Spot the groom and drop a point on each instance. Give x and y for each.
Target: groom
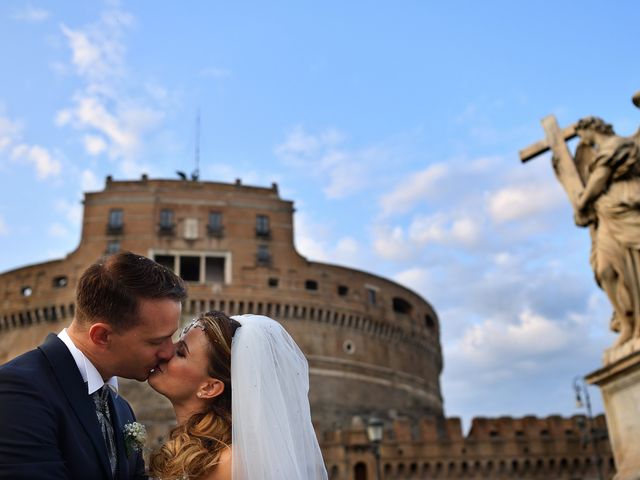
(60, 413)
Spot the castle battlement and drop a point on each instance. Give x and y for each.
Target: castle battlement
(495, 448)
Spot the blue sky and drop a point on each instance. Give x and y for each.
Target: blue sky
(394, 126)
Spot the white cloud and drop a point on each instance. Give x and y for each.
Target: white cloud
(94, 144)
(31, 14)
(301, 149)
(416, 278)
(442, 229)
(343, 171)
(416, 188)
(90, 183)
(345, 175)
(86, 55)
(72, 211)
(39, 157)
(504, 259)
(57, 230)
(465, 230)
(428, 228)
(90, 112)
(98, 50)
(533, 335)
(519, 202)
(347, 247)
(113, 122)
(9, 132)
(309, 238)
(391, 243)
(313, 240)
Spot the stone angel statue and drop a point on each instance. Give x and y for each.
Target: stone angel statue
(609, 166)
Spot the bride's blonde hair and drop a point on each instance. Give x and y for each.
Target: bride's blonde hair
(193, 449)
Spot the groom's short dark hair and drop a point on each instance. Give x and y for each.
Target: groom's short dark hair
(110, 289)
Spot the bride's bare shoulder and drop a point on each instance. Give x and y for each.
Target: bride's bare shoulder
(223, 469)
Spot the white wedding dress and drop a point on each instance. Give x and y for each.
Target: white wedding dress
(272, 434)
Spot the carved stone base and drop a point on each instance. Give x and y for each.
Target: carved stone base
(619, 383)
(614, 354)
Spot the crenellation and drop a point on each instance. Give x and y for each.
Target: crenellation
(437, 453)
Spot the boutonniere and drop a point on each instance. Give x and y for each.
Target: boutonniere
(135, 436)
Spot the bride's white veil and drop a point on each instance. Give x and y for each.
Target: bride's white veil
(272, 434)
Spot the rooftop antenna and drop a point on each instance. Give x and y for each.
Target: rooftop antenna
(196, 173)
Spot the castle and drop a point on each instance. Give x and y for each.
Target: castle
(373, 345)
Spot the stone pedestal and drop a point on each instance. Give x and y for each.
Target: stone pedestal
(619, 382)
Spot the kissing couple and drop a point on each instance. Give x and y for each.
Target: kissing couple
(239, 388)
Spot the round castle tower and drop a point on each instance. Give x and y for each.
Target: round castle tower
(373, 346)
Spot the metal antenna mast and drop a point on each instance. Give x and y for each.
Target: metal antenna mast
(196, 173)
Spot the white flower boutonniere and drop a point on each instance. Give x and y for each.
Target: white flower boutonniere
(135, 436)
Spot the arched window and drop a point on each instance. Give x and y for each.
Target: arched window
(564, 465)
(360, 471)
(429, 322)
(400, 305)
(334, 473)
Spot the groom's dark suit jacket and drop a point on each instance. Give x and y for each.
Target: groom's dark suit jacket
(48, 424)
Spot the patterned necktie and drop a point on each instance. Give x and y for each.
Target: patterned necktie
(101, 401)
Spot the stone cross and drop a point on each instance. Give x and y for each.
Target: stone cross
(563, 163)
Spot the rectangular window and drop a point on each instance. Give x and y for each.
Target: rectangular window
(190, 268)
(113, 247)
(166, 261)
(166, 219)
(116, 217)
(371, 296)
(214, 269)
(262, 226)
(215, 222)
(263, 256)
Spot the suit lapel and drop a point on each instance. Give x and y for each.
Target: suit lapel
(68, 376)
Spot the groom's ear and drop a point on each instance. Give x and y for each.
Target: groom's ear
(100, 334)
(211, 389)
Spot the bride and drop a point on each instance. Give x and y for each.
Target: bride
(265, 433)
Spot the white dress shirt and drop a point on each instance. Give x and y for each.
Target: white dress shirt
(89, 372)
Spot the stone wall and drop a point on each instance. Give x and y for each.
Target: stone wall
(495, 448)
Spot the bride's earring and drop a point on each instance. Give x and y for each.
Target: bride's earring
(199, 395)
